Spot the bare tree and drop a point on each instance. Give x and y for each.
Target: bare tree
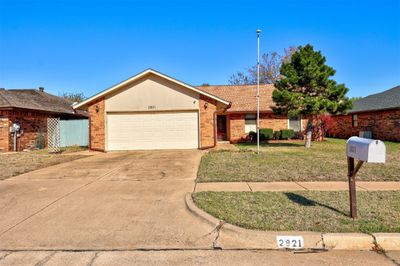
(73, 96)
(269, 69)
(239, 79)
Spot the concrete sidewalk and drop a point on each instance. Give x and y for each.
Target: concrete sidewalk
(294, 186)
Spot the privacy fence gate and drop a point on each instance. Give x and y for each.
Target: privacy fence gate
(64, 133)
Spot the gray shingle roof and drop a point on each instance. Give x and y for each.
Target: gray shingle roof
(388, 99)
(34, 99)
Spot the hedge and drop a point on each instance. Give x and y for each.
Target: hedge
(277, 134)
(287, 133)
(266, 133)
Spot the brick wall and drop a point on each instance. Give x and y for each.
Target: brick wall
(31, 123)
(97, 114)
(4, 134)
(276, 122)
(267, 120)
(207, 121)
(384, 125)
(236, 127)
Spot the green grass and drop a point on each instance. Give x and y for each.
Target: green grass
(304, 210)
(290, 161)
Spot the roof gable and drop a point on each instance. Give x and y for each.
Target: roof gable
(141, 75)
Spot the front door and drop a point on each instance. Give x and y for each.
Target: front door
(221, 127)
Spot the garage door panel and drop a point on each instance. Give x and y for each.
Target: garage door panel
(172, 130)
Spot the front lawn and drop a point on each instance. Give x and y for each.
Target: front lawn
(290, 161)
(12, 164)
(304, 210)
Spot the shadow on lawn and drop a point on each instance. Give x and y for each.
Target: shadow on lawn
(299, 199)
(274, 144)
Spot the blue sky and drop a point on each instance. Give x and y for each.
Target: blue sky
(87, 46)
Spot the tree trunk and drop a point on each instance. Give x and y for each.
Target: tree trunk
(318, 129)
(309, 133)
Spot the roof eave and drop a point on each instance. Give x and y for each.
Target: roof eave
(373, 110)
(72, 113)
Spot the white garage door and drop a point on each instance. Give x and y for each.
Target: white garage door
(144, 131)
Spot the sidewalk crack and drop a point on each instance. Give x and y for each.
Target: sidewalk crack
(298, 183)
(249, 186)
(217, 229)
(90, 263)
(357, 185)
(45, 259)
(5, 255)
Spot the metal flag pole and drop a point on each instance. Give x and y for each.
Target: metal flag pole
(258, 31)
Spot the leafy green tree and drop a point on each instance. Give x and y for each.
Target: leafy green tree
(307, 89)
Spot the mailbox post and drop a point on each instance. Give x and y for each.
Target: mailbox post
(364, 150)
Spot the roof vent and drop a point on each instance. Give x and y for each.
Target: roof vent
(41, 89)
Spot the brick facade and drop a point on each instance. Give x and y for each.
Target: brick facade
(97, 115)
(236, 124)
(384, 125)
(4, 134)
(235, 127)
(276, 122)
(32, 124)
(208, 108)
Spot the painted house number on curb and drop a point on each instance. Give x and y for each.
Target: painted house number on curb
(292, 242)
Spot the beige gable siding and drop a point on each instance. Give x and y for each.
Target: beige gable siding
(152, 93)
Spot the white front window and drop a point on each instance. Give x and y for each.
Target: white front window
(295, 123)
(250, 123)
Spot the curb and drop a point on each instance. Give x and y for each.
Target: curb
(387, 241)
(234, 237)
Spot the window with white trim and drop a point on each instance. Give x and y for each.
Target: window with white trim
(294, 123)
(250, 123)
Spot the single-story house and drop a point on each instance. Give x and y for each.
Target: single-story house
(30, 108)
(154, 111)
(376, 116)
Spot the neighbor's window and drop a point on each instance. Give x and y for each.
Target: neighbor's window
(250, 123)
(354, 120)
(295, 123)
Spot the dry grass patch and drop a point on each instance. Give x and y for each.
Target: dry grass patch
(319, 211)
(13, 164)
(324, 161)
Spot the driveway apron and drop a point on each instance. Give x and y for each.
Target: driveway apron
(111, 201)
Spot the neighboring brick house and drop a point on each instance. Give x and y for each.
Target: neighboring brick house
(376, 116)
(154, 111)
(30, 108)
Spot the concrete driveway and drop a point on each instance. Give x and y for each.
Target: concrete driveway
(113, 201)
